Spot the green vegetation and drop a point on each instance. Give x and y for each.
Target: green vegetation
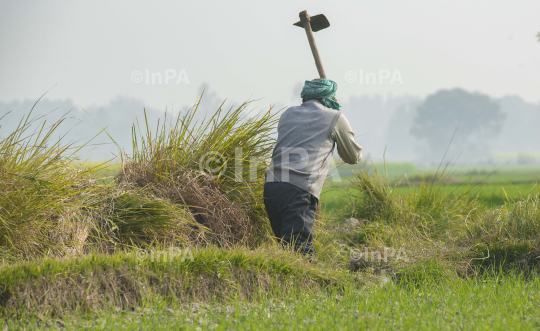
(213, 168)
(90, 246)
(172, 190)
(453, 229)
(491, 303)
(335, 197)
(99, 282)
(39, 184)
(492, 185)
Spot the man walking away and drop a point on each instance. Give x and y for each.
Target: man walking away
(307, 135)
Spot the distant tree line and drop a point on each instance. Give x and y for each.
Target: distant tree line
(474, 117)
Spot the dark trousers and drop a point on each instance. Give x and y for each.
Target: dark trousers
(291, 211)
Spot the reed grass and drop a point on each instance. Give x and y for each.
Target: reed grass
(214, 166)
(39, 186)
(454, 235)
(54, 204)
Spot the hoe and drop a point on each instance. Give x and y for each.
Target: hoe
(313, 24)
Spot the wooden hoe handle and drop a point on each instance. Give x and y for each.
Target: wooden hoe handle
(305, 19)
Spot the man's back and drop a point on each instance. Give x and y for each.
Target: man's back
(304, 147)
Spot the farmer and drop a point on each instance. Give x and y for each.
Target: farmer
(307, 135)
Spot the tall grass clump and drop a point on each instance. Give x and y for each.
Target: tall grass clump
(515, 220)
(187, 182)
(41, 190)
(213, 166)
(52, 206)
(426, 205)
(454, 231)
(424, 221)
(507, 235)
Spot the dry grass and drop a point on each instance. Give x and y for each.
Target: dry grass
(214, 167)
(228, 222)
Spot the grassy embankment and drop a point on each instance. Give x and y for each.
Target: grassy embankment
(69, 242)
(490, 303)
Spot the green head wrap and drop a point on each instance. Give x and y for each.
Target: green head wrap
(325, 90)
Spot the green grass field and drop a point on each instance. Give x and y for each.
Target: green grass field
(494, 186)
(338, 196)
(213, 293)
(90, 246)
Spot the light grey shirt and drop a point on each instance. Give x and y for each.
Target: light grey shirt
(307, 135)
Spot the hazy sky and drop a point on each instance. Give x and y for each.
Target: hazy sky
(90, 49)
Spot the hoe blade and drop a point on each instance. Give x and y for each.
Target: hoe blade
(318, 22)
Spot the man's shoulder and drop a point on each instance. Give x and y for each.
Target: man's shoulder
(314, 105)
(313, 109)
